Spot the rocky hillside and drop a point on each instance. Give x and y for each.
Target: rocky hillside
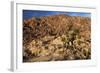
(56, 37)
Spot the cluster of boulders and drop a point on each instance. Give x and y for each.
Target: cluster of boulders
(56, 38)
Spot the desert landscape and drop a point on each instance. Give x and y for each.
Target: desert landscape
(56, 37)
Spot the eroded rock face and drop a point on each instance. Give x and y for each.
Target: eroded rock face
(56, 37)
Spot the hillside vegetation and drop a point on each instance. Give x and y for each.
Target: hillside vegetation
(56, 38)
